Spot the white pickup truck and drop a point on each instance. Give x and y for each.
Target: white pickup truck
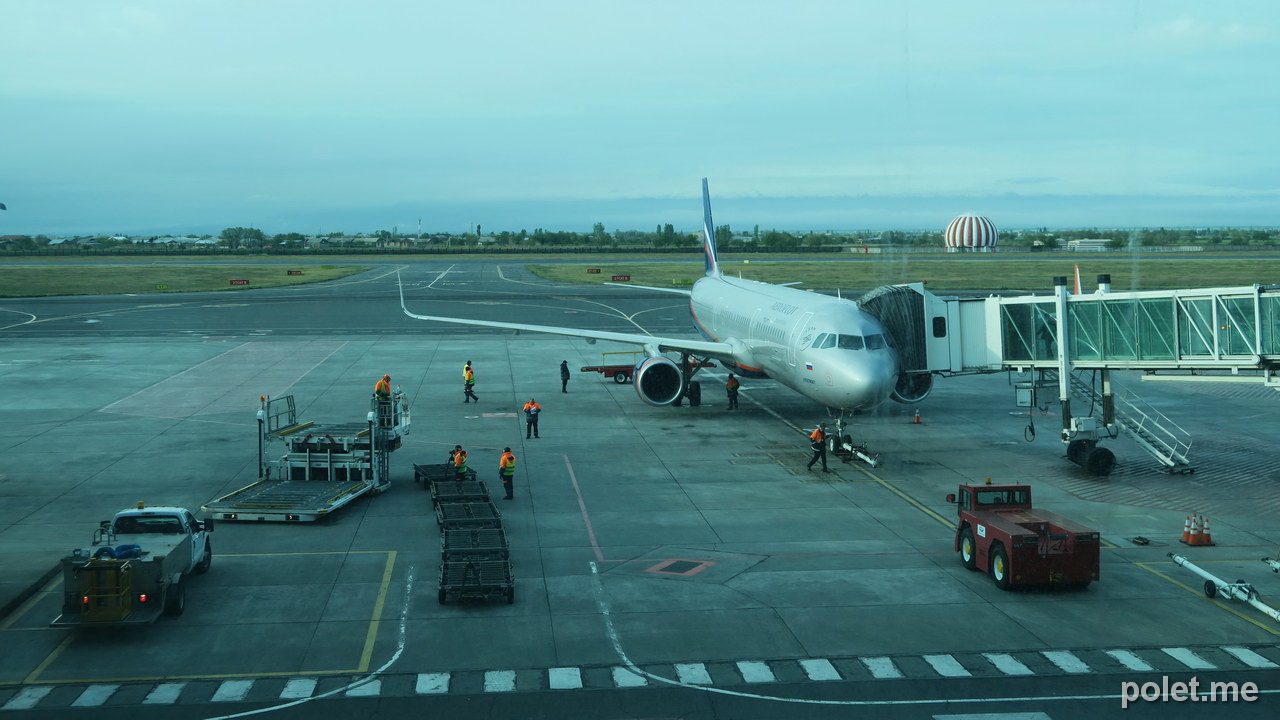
(133, 572)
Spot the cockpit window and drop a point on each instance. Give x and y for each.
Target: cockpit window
(828, 341)
(817, 342)
(875, 342)
(850, 342)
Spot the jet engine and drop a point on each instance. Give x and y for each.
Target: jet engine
(658, 380)
(912, 387)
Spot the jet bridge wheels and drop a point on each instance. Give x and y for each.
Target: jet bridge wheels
(1086, 453)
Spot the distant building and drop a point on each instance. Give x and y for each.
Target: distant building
(1089, 245)
(971, 232)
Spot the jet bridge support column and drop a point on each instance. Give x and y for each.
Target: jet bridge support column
(1081, 434)
(1064, 359)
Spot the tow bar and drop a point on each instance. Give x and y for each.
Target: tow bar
(1238, 590)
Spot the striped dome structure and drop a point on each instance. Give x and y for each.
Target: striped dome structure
(971, 232)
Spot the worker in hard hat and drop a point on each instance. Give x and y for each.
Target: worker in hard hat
(382, 391)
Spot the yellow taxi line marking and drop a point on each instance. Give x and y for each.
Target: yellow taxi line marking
(951, 525)
(376, 621)
(1145, 565)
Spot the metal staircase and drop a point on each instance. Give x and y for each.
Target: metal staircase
(1164, 439)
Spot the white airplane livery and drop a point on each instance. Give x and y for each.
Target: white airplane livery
(822, 347)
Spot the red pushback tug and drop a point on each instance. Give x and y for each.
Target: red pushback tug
(999, 532)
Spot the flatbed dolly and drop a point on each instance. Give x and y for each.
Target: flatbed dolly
(430, 474)
(475, 543)
(471, 491)
(477, 580)
(468, 515)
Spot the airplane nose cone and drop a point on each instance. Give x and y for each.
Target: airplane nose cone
(868, 383)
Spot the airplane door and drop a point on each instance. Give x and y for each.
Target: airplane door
(751, 332)
(797, 333)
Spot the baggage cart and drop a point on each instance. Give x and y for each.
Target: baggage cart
(477, 580)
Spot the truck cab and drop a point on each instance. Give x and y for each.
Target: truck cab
(133, 571)
(999, 531)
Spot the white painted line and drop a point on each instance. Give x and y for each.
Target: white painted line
(996, 716)
(693, 673)
(432, 683)
(624, 678)
(565, 678)
(95, 695)
(1128, 659)
(1249, 657)
(373, 688)
(500, 681)
(820, 669)
(298, 688)
(947, 666)
(27, 697)
(1067, 661)
(164, 694)
(232, 690)
(754, 671)
(881, 667)
(1189, 658)
(1007, 664)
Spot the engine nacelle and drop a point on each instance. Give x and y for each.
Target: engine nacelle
(912, 388)
(658, 380)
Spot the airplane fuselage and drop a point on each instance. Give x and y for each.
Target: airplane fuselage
(823, 347)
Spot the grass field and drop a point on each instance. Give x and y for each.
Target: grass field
(943, 274)
(139, 279)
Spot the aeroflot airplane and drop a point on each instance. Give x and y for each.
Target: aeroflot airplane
(822, 347)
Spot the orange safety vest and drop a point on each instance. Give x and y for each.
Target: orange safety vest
(469, 377)
(732, 385)
(383, 388)
(460, 461)
(817, 436)
(532, 406)
(507, 466)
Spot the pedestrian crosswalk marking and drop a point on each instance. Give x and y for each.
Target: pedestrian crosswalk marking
(693, 673)
(947, 666)
(622, 677)
(164, 694)
(756, 672)
(500, 681)
(95, 695)
(565, 678)
(232, 690)
(373, 688)
(881, 667)
(1189, 658)
(820, 669)
(1007, 664)
(298, 688)
(432, 683)
(1128, 659)
(27, 697)
(1068, 662)
(1249, 657)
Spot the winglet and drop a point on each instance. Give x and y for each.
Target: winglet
(709, 233)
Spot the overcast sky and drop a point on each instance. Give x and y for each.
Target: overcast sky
(310, 115)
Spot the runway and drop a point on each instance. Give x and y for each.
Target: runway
(669, 561)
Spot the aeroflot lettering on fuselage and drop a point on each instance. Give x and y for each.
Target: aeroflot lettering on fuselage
(784, 308)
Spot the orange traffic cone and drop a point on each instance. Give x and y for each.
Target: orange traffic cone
(916, 419)
(1205, 537)
(1194, 538)
(1186, 531)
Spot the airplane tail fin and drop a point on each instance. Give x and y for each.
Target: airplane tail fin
(709, 233)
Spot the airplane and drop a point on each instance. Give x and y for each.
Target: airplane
(825, 348)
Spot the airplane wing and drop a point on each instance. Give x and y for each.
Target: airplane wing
(653, 344)
(673, 291)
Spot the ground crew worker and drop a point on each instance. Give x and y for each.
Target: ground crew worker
(819, 439)
(460, 463)
(731, 388)
(382, 391)
(456, 449)
(507, 472)
(468, 384)
(531, 411)
(564, 376)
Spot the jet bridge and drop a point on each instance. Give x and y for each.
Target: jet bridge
(1229, 334)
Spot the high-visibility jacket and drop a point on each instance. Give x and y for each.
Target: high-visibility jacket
(531, 410)
(732, 385)
(507, 465)
(817, 437)
(383, 388)
(460, 462)
(469, 377)
(466, 369)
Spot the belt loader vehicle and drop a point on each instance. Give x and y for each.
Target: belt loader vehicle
(1001, 533)
(134, 570)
